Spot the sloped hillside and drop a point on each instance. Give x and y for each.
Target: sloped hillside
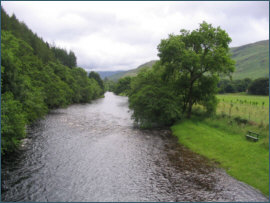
(104, 74)
(132, 72)
(252, 60)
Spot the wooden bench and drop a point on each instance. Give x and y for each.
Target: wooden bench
(253, 136)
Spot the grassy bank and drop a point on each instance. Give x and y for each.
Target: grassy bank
(224, 141)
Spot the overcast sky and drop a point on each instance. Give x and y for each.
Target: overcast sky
(123, 35)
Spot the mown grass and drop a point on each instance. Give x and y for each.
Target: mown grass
(223, 140)
(250, 107)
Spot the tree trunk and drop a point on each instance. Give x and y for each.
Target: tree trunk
(190, 104)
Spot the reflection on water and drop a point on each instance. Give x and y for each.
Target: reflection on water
(92, 152)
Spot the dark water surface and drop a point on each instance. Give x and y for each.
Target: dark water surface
(92, 152)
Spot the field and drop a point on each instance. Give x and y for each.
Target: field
(249, 107)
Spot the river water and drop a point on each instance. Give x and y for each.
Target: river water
(93, 152)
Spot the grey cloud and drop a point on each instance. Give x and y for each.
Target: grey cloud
(257, 9)
(123, 35)
(102, 23)
(92, 25)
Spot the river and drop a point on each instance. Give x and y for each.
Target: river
(93, 152)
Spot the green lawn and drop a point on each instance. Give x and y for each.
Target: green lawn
(245, 160)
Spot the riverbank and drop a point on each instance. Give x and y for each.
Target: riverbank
(225, 143)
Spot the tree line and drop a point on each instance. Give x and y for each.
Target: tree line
(36, 77)
(259, 86)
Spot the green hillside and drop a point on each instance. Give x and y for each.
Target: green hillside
(132, 72)
(117, 76)
(252, 60)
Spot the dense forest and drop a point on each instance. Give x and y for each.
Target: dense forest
(36, 77)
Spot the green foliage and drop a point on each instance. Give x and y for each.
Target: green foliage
(259, 86)
(21, 31)
(13, 122)
(153, 101)
(210, 103)
(32, 82)
(33, 103)
(194, 60)
(148, 77)
(187, 74)
(232, 86)
(122, 86)
(96, 77)
(42, 50)
(108, 85)
(67, 59)
(154, 106)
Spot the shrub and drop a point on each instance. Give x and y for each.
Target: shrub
(154, 105)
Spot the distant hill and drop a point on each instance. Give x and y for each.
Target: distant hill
(104, 74)
(117, 76)
(132, 72)
(252, 61)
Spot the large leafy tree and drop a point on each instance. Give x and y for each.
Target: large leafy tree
(193, 61)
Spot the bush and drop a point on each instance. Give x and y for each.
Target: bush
(154, 105)
(122, 86)
(240, 120)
